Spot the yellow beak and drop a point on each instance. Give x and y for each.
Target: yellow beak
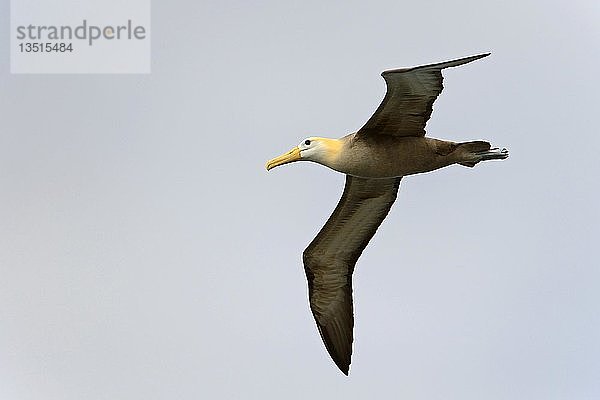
(290, 156)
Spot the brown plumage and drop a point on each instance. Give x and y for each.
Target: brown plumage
(389, 146)
(330, 258)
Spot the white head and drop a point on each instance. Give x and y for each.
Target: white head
(317, 149)
(312, 149)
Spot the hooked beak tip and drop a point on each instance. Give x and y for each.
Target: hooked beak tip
(290, 156)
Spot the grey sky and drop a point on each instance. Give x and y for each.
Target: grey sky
(145, 253)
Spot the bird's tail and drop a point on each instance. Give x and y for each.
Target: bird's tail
(474, 152)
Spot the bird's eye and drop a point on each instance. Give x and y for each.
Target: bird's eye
(307, 142)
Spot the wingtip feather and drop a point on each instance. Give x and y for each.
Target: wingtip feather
(342, 358)
(441, 65)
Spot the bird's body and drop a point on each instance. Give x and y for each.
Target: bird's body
(392, 144)
(393, 156)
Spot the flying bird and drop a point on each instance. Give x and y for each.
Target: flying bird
(391, 144)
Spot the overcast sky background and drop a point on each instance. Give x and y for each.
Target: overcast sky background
(145, 253)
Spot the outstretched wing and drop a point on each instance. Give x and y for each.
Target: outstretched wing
(408, 102)
(330, 258)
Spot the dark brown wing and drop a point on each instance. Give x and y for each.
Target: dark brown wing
(408, 102)
(330, 258)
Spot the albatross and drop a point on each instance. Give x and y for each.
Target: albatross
(391, 144)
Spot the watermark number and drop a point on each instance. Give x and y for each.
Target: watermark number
(29, 47)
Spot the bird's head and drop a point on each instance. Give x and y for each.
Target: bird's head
(321, 150)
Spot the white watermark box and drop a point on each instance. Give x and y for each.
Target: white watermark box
(86, 36)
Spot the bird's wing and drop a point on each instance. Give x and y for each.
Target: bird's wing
(330, 258)
(408, 102)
